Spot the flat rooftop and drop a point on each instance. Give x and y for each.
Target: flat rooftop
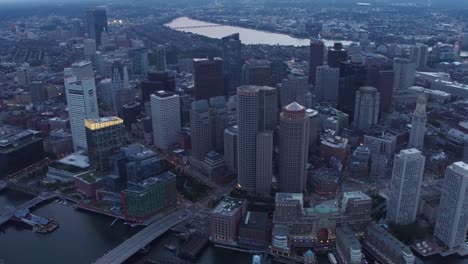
(147, 183)
(228, 206)
(102, 122)
(255, 220)
(289, 197)
(76, 159)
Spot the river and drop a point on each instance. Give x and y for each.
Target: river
(248, 36)
(83, 237)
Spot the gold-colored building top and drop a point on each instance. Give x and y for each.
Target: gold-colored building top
(102, 122)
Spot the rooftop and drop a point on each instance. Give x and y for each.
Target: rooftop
(321, 209)
(289, 197)
(147, 183)
(76, 159)
(390, 240)
(102, 122)
(348, 236)
(81, 63)
(228, 206)
(294, 107)
(250, 89)
(255, 220)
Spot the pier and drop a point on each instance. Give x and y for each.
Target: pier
(8, 213)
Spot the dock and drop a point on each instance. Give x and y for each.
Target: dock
(8, 213)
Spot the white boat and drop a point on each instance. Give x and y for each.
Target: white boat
(332, 258)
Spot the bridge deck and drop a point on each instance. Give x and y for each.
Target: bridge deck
(142, 238)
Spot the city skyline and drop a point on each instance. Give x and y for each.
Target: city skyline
(218, 131)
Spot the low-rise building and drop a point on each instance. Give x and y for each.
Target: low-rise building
(225, 220)
(347, 246)
(19, 149)
(149, 197)
(255, 230)
(334, 147)
(325, 181)
(387, 248)
(66, 169)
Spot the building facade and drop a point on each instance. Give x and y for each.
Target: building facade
(165, 114)
(257, 112)
(366, 107)
(225, 219)
(105, 136)
(418, 124)
(452, 220)
(408, 169)
(293, 148)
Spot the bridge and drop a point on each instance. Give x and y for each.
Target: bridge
(15, 177)
(8, 213)
(130, 246)
(200, 26)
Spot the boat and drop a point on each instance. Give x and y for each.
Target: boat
(170, 247)
(332, 258)
(38, 224)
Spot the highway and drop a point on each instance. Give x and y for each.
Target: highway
(143, 238)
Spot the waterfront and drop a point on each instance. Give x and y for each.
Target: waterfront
(83, 237)
(247, 36)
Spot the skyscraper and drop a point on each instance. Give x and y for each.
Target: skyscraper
(405, 71)
(219, 121)
(336, 55)
(452, 219)
(352, 77)
(366, 108)
(139, 57)
(160, 58)
(105, 136)
(83, 70)
(316, 54)
(89, 47)
(119, 82)
(408, 169)
(257, 112)
(264, 162)
(314, 126)
(208, 78)
(81, 101)
(157, 81)
(96, 23)
(293, 89)
(165, 114)
(385, 87)
(326, 84)
(418, 54)
(230, 148)
(201, 131)
(232, 61)
(257, 72)
(418, 123)
(293, 148)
